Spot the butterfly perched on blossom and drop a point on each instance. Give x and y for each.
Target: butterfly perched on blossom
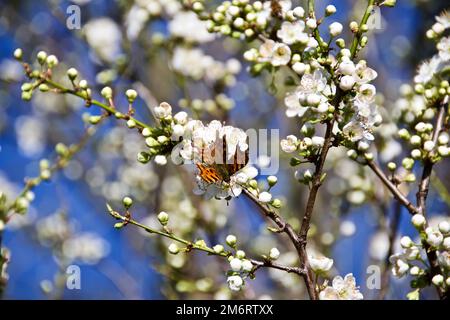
(223, 167)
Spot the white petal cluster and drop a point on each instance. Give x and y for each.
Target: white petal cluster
(187, 25)
(193, 62)
(342, 289)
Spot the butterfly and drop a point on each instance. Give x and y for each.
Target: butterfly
(221, 171)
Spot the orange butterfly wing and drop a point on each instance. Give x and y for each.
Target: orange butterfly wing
(208, 174)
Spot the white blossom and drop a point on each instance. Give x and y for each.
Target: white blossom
(320, 264)
(289, 144)
(235, 283)
(236, 264)
(342, 289)
(444, 48)
(292, 32)
(187, 25)
(399, 266)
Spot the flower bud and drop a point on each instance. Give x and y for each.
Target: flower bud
(272, 180)
(52, 61)
(335, 29)
(329, 10)
(274, 254)
(276, 203)
(418, 220)
(131, 124)
(434, 237)
(428, 146)
(444, 227)
(404, 134)
(127, 202)
(406, 242)
(107, 93)
(311, 23)
(173, 248)
(18, 54)
(131, 95)
(247, 266)
(218, 248)
(160, 160)
(43, 87)
(240, 254)
(416, 154)
(83, 84)
(72, 73)
(231, 240)
(347, 83)
(392, 166)
(143, 157)
(415, 140)
(163, 218)
(94, 119)
(41, 57)
(236, 264)
(264, 197)
(438, 280)
(408, 163)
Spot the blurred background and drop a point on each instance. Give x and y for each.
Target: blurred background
(133, 44)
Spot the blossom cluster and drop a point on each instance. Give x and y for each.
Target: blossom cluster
(410, 260)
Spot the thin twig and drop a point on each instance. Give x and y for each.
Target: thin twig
(193, 246)
(285, 227)
(422, 194)
(392, 187)
(393, 230)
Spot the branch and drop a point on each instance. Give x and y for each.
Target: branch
(285, 227)
(359, 33)
(393, 230)
(392, 187)
(424, 185)
(193, 246)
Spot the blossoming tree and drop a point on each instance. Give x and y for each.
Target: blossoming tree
(342, 136)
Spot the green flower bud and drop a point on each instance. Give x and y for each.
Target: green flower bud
(391, 166)
(61, 149)
(83, 84)
(131, 124)
(26, 87)
(45, 174)
(52, 61)
(240, 254)
(107, 93)
(41, 57)
(231, 240)
(173, 248)
(218, 248)
(163, 218)
(127, 202)
(146, 132)
(72, 73)
(131, 95)
(43, 87)
(276, 203)
(94, 119)
(143, 157)
(26, 95)
(18, 54)
(151, 142)
(272, 180)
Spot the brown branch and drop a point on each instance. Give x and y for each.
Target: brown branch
(393, 230)
(392, 187)
(424, 183)
(422, 193)
(295, 239)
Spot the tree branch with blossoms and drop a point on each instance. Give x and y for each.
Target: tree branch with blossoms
(334, 105)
